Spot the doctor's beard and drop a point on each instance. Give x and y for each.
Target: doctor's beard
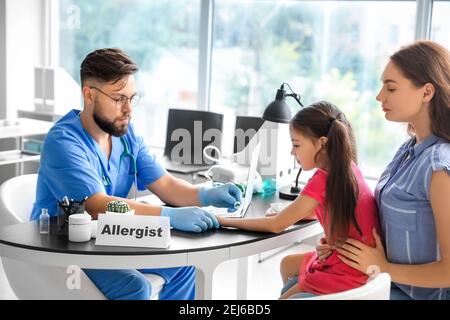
(111, 127)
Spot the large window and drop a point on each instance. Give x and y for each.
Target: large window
(160, 35)
(440, 26)
(325, 50)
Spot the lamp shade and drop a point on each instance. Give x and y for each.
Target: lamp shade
(278, 110)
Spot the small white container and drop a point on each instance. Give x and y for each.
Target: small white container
(278, 206)
(94, 229)
(275, 208)
(79, 227)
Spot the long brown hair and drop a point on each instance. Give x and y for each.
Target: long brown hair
(428, 62)
(323, 119)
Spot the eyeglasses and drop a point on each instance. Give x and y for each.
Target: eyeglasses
(134, 100)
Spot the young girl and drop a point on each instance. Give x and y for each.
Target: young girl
(413, 193)
(322, 138)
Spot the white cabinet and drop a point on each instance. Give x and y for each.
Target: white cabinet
(20, 129)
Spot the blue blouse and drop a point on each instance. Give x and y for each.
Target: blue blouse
(407, 219)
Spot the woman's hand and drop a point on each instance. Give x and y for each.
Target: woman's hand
(363, 257)
(323, 249)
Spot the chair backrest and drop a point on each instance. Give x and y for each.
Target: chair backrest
(378, 288)
(196, 123)
(249, 126)
(17, 196)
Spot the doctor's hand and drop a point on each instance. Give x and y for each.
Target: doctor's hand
(193, 219)
(223, 196)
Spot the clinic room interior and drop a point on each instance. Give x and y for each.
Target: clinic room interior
(261, 150)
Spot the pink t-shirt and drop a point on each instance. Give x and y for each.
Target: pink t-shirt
(332, 275)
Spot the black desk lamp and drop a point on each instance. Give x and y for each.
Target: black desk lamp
(291, 192)
(278, 111)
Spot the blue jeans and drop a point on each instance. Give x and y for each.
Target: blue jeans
(131, 284)
(397, 293)
(292, 281)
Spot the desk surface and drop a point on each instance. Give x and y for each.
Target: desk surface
(22, 127)
(204, 250)
(26, 235)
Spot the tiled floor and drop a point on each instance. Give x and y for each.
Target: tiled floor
(264, 282)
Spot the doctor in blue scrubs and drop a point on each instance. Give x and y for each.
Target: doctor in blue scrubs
(96, 154)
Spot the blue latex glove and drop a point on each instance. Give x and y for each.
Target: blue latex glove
(223, 196)
(192, 219)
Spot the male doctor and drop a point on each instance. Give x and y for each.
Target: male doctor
(96, 153)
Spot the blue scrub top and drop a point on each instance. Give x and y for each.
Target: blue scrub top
(73, 165)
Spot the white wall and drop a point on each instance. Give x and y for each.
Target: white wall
(2, 59)
(24, 43)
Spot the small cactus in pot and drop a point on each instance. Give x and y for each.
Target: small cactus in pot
(118, 206)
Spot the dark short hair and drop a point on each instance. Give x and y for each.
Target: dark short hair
(106, 65)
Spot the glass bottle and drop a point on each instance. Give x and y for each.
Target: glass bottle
(44, 221)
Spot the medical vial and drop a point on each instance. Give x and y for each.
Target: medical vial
(269, 186)
(44, 222)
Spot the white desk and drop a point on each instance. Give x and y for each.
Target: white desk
(20, 128)
(205, 250)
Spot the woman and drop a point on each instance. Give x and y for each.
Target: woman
(413, 194)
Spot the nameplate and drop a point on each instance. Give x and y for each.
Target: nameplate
(133, 231)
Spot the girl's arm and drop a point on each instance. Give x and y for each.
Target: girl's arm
(428, 275)
(297, 210)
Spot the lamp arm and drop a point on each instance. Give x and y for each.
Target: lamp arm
(293, 94)
(296, 97)
(296, 189)
(298, 175)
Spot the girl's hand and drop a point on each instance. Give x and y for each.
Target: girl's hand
(363, 257)
(323, 249)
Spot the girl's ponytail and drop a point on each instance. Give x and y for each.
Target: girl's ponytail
(342, 187)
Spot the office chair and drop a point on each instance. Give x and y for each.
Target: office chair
(32, 281)
(197, 127)
(378, 288)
